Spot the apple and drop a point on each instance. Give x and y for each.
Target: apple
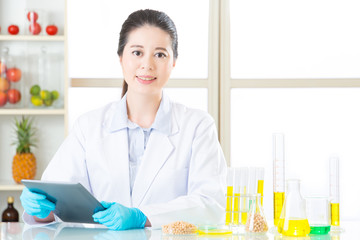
(51, 29)
(32, 16)
(35, 28)
(14, 96)
(13, 29)
(13, 74)
(2, 68)
(4, 84)
(3, 98)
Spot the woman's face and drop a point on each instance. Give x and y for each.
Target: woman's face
(147, 60)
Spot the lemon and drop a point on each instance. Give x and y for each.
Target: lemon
(35, 90)
(45, 95)
(36, 101)
(48, 102)
(54, 95)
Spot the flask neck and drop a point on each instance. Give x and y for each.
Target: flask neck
(293, 186)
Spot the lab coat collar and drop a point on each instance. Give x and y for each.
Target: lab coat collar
(164, 120)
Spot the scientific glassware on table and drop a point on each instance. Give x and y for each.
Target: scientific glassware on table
(229, 195)
(256, 220)
(334, 194)
(279, 175)
(260, 176)
(293, 220)
(318, 214)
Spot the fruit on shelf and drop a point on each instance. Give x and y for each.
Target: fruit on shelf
(24, 162)
(35, 28)
(13, 29)
(14, 96)
(40, 97)
(32, 16)
(3, 98)
(51, 29)
(55, 95)
(13, 74)
(36, 101)
(35, 90)
(4, 84)
(2, 68)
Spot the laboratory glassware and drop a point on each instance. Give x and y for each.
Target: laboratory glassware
(334, 193)
(243, 192)
(256, 221)
(260, 182)
(318, 214)
(236, 202)
(278, 175)
(293, 221)
(229, 195)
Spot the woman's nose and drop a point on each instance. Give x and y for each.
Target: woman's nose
(147, 63)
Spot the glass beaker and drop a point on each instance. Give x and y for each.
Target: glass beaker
(293, 221)
(256, 221)
(318, 214)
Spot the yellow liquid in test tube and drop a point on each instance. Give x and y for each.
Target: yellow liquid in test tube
(229, 201)
(260, 189)
(279, 198)
(294, 227)
(244, 214)
(236, 209)
(335, 217)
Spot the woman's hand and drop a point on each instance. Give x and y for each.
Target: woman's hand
(36, 204)
(118, 217)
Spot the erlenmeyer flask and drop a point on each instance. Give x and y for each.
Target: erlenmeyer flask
(293, 220)
(256, 221)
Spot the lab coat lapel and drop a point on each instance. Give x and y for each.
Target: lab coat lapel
(116, 152)
(157, 152)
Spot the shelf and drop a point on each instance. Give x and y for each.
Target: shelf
(27, 111)
(10, 186)
(40, 38)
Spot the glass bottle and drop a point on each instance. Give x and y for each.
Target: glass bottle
(10, 214)
(45, 92)
(293, 220)
(10, 81)
(256, 221)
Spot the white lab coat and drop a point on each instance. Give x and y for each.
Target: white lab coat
(182, 176)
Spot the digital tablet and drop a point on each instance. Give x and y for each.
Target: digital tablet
(73, 202)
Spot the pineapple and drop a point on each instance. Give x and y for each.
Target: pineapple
(24, 162)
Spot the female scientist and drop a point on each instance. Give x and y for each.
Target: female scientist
(149, 160)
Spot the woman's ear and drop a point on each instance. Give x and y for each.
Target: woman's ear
(174, 63)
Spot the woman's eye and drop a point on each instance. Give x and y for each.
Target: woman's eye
(160, 55)
(136, 53)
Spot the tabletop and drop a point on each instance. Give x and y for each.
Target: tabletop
(14, 231)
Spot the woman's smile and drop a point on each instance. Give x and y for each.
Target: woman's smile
(146, 79)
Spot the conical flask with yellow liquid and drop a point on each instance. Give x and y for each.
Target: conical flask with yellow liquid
(293, 221)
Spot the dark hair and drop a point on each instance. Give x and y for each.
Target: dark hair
(141, 18)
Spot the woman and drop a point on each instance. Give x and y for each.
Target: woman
(150, 160)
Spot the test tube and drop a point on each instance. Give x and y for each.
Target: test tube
(243, 191)
(237, 179)
(260, 182)
(334, 191)
(229, 195)
(279, 175)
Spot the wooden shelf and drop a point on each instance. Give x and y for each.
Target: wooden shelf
(10, 186)
(56, 38)
(28, 111)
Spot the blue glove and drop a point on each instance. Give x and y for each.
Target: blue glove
(36, 204)
(118, 217)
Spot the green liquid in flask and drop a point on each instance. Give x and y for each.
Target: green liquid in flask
(319, 229)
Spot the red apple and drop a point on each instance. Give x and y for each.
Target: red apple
(13, 29)
(13, 74)
(2, 68)
(32, 16)
(51, 29)
(3, 98)
(4, 84)
(35, 28)
(14, 96)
